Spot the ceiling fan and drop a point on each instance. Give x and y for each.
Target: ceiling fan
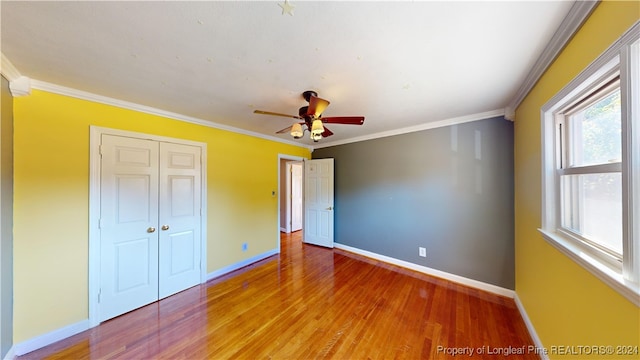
(312, 118)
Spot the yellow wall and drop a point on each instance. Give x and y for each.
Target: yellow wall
(51, 148)
(567, 305)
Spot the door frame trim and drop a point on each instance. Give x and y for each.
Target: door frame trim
(287, 197)
(95, 134)
(285, 186)
(289, 207)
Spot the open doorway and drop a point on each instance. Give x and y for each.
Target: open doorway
(316, 205)
(294, 203)
(291, 172)
(286, 165)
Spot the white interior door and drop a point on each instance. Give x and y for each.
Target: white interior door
(296, 196)
(318, 202)
(179, 248)
(128, 221)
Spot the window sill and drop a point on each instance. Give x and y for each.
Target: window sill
(626, 288)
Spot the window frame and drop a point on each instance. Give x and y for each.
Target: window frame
(566, 165)
(620, 59)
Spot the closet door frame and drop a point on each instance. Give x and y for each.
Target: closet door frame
(95, 135)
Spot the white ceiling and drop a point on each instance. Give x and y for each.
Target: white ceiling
(399, 64)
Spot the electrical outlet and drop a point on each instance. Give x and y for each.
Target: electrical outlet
(245, 246)
(422, 251)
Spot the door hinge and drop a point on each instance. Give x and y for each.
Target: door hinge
(100, 150)
(99, 293)
(100, 223)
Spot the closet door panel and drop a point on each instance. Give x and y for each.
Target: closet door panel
(179, 213)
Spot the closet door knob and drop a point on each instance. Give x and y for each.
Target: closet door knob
(151, 229)
(165, 227)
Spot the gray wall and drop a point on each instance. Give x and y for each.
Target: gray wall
(6, 220)
(447, 189)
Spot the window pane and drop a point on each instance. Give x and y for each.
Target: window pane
(596, 132)
(591, 206)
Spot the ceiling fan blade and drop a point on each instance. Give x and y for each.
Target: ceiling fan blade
(316, 106)
(285, 130)
(327, 132)
(275, 114)
(347, 120)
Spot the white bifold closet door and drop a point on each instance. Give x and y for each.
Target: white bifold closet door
(149, 222)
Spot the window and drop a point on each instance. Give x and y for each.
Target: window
(591, 161)
(589, 170)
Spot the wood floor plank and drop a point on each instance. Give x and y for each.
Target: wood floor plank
(308, 302)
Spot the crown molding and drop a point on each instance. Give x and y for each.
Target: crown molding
(421, 127)
(83, 95)
(7, 69)
(577, 15)
(20, 86)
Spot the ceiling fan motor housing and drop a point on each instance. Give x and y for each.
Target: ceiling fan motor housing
(303, 112)
(307, 95)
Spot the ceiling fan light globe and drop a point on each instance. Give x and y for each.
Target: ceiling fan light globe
(296, 131)
(316, 127)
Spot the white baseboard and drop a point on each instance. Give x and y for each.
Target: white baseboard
(429, 271)
(10, 354)
(532, 331)
(227, 269)
(284, 230)
(49, 338)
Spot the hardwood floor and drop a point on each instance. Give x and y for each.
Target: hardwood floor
(310, 303)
